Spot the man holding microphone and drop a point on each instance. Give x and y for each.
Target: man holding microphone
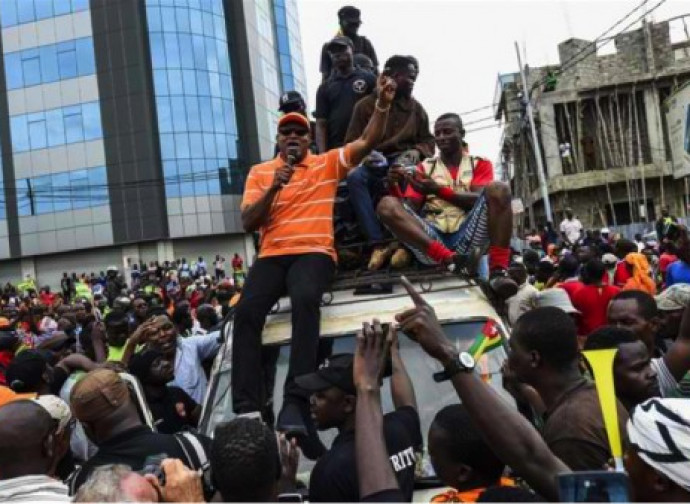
(289, 200)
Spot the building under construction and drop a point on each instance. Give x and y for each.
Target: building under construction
(601, 128)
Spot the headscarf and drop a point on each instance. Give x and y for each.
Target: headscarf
(640, 279)
(659, 431)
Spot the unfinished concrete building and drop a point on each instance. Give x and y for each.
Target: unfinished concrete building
(601, 128)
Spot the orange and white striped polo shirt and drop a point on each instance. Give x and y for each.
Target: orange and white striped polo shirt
(301, 219)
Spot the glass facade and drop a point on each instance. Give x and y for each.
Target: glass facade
(50, 63)
(58, 192)
(14, 12)
(50, 128)
(194, 94)
(288, 46)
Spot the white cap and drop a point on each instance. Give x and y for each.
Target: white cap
(605, 230)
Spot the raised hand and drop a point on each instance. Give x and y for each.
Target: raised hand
(421, 325)
(373, 344)
(386, 90)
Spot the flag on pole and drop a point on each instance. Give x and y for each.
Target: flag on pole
(489, 339)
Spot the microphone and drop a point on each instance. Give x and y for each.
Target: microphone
(291, 155)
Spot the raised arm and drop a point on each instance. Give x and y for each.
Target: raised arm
(402, 390)
(374, 470)
(505, 430)
(376, 128)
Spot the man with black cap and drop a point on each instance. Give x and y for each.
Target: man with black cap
(337, 96)
(407, 141)
(290, 201)
(292, 101)
(350, 21)
(333, 405)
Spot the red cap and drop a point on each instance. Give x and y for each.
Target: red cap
(293, 117)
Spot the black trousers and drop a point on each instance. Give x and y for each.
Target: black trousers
(304, 277)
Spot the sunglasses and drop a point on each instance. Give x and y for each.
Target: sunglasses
(287, 131)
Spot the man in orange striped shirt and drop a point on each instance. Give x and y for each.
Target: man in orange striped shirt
(289, 200)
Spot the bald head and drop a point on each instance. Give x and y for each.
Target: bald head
(24, 430)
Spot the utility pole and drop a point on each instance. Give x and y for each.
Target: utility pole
(535, 141)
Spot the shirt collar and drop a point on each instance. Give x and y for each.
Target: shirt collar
(308, 159)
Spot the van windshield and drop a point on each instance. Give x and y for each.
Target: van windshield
(431, 396)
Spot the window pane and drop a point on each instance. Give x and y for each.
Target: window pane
(74, 128)
(61, 7)
(164, 115)
(13, 70)
(67, 59)
(196, 145)
(184, 168)
(182, 19)
(49, 64)
(168, 18)
(85, 56)
(80, 5)
(62, 192)
(20, 134)
(172, 50)
(196, 22)
(186, 51)
(43, 196)
(168, 146)
(92, 121)
(182, 145)
(199, 52)
(37, 134)
(179, 115)
(99, 186)
(189, 82)
(56, 127)
(32, 71)
(210, 145)
(25, 11)
(8, 12)
(153, 16)
(193, 116)
(160, 82)
(157, 50)
(44, 8)
(172, 183)
(79, 183)
(23, 201)
(175, 82)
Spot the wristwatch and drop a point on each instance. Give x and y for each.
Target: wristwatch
(461, 363)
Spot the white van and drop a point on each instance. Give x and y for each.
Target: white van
(460, 306)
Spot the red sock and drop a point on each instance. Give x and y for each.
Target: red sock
(437, 252)
(499, 257)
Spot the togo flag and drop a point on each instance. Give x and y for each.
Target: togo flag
(489, 339)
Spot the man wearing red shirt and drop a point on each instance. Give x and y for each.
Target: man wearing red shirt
(592, 299)
(568, 274)
(452, 205)
(668, 256)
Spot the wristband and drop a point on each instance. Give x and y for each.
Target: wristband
(446, 193)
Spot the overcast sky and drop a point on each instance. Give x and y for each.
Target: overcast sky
(462, 46)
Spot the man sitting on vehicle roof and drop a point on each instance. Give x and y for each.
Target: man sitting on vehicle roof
(451, 206)
(290, 201)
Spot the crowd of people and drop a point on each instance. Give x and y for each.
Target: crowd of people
(102, 383)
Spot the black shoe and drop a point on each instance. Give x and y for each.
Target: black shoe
(295, 421)
(467, 265)
(502, 284)
(291, 421)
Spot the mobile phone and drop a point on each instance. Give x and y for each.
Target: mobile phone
(290, 497)
(594, 486)
(152, 465)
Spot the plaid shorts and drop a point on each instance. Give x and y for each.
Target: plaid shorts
(473, 232)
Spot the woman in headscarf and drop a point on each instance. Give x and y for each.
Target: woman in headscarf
(641, 279)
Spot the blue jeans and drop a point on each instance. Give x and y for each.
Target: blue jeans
(366, 188)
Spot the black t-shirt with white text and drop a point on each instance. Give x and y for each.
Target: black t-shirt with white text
(334, 477)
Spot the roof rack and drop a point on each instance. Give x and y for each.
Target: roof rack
(424, 275)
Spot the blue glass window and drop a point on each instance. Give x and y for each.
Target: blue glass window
(56, 127)
(194, 95)
(15, 12)
(50, 63)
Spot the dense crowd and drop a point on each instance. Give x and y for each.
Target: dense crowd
(102, 383)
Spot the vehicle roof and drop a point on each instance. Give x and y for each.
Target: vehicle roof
(452, 297)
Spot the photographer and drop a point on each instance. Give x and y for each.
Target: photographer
(171, 481)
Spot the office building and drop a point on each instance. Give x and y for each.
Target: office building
(127, 126)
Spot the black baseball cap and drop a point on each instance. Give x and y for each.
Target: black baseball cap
(350, 13)
(289, 100)
(336, 371)
(340, 41)
(25, 372)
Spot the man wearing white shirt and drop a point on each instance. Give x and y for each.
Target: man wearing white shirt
(570, 227)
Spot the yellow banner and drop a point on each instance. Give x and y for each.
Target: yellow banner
(601, 362)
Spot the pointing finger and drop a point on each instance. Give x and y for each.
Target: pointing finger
(414, 295)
